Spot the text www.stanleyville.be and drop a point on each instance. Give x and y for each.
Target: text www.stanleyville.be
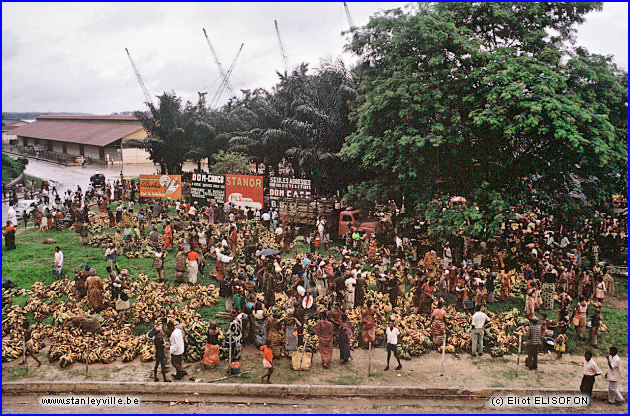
(90, 401)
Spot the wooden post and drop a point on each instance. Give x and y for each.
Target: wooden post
(443, 354)
(518, 356)
(303, 351)
(370, 359)
(24, 353)
(230, 355)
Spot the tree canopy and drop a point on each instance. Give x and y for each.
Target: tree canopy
(456, 94)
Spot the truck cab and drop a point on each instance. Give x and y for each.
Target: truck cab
(354, 219)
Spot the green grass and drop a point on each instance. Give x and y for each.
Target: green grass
(346, 380)
(18, 373)
(621, 287)
(38, 181)
(32, 261)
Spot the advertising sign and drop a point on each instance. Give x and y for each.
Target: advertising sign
(207, 188)
(244, 191)
(161, 186)
(280, 188)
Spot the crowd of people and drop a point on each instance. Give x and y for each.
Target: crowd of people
(561, 263)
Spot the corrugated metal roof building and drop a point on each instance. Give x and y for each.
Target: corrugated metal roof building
(97, 138)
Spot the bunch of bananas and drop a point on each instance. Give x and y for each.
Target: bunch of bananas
(196, 340)
(100, 240)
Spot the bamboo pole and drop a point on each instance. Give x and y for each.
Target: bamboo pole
(518, 356)
(370, 359)
(443, 354)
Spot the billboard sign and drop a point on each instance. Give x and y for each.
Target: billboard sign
(280, 188)
(161, 186)
(244, 191)
(207, 188)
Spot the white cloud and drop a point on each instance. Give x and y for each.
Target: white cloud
(70, 56)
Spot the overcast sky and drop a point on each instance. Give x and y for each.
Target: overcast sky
(70, 56)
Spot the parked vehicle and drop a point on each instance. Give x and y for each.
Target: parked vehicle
(307, 211)
(26, 206)
(97, 180)
(354, 219)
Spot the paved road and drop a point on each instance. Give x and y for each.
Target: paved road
(68, 177)
(26, 403)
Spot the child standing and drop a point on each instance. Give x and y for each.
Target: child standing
(267, 361)
(561, 342)
(160, 356)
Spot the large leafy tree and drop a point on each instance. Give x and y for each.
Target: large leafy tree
(455, 94)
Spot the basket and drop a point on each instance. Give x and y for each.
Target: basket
(306, 361)
(235, 368)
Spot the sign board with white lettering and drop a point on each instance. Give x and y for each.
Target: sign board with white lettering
(207, 188)
(282, 188)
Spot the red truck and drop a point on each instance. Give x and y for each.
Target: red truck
(308, 211)
(355, 219)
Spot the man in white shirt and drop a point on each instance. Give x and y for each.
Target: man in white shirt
(58, 261)
(399, 243)
(278, 233)
(479, 319)
(192, 212)
(614, 376)
(392, 344)
(177, 349)
(591, 370)
(266, 219)
(350, 284)
(321, 226)
(447, 257)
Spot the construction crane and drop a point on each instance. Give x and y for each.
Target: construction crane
(285, 59)
(202, 98)
(226, 80)
(222, 72)
(345, 6)
(143, 87)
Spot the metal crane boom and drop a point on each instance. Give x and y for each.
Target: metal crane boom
(226, 80)
(345, 6)
(143, 87)
(219, 65)
(285, 59)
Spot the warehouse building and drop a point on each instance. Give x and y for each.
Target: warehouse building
(97, 139)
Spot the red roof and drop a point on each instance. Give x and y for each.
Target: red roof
(104, 118)
(91, 130)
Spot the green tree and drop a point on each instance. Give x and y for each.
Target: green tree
(300, 125)
(171, 128)
(230, 162)
(456, 94)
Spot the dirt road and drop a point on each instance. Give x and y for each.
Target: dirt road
(459, 371)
